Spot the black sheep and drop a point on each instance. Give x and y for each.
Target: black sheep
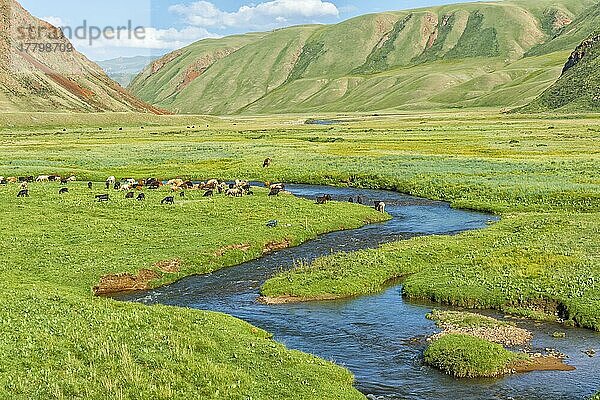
(168, 200)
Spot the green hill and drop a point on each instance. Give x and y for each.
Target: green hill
(578, 89)
(494, 54)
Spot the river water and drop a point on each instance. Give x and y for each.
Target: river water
(380, 337)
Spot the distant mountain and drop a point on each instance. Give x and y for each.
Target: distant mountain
(53, 78)
(492, 54)
(124, 69)
(578, 88)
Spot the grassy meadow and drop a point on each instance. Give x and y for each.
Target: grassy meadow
(542, 175)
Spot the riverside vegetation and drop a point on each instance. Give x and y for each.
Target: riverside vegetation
(540, 174)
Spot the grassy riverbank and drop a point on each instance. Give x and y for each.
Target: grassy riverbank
(533, 264)
(541, 174)
(464, 356)
(60, 342)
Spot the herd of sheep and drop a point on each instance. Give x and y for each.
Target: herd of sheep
(239, 188)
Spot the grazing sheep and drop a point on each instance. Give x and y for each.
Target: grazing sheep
(222, 188)
(24, 185)
(175, 182)
(23, 193)
(279, 186)
(130, 181)
(63, 191)
(54, 178)
(241, 184)
(102, 198)
(267, 163)
(237, 192)
(380, 206)
(13, 179)
(117, 185)
(90, 185)
(111, 180)
(168, 200)
(3, 181)
(43, 178)
(129, 195)
(141, 197)
(126, 187)
(211, 184)
(274, 192)
(209, 193)
(72, 178)
(154, 185)
(64, 181)
(324, 199)
(272, 224)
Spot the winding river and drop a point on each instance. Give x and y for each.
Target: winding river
(380, 337)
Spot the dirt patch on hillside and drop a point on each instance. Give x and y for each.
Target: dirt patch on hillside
(169, 266)
(242, 247)
(125, 282)
(274, 246)
(543, 363)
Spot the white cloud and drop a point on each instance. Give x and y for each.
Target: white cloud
(153, 38)
(155, 41)
(266, 15)
(55, 21)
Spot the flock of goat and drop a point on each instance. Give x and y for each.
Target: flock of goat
(130, 186)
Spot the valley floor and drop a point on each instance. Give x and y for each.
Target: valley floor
(542, 175)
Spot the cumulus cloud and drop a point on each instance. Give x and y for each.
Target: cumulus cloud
(152, 38)
(266, 15)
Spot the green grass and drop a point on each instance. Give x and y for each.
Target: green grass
(60, 342)
(579, 85)
(465, 356)
(544, 182)
(538, 265)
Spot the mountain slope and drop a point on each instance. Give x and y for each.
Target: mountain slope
(55, 80)
(458, 55)
(578, 88)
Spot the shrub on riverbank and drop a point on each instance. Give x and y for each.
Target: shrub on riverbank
(465, 356)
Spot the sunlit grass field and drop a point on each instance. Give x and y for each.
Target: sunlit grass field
(542, 175)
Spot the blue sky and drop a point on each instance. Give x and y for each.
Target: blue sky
(171, 24)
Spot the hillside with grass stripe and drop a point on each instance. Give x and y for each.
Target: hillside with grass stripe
(460, 55)
(578, 88)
